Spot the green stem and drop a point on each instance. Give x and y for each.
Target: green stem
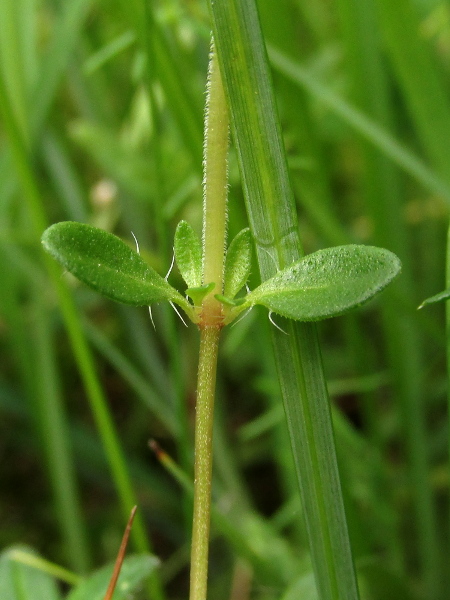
(211, 322)
(215, 177)
(209, 344)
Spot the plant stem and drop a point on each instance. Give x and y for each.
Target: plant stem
(215, 178)
(209, 344)
(211, 322)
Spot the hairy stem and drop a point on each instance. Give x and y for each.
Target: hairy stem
(215, 178)
(209, 343)
(211, 320)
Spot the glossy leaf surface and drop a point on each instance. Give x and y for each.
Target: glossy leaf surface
(237, 263)
(105, 263)
(327, 283)
(135, 569)
(188, 254)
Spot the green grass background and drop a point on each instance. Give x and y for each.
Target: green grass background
(101, 122)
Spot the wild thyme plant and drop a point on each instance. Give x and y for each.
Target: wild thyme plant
(324, 284)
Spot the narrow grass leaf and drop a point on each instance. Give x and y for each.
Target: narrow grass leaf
(66, 31)
(423, 84)
(274, 226)
(110, 440)
(365, 126)
(109, 51)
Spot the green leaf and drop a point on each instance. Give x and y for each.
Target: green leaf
(22, 582)
(327, 283)
(229, 301)
(238, 263)
(188, 254)
(135, 569)
(198, 293)
(108, 265)
(445, 295)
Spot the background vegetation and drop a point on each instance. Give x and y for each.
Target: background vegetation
(102, 123)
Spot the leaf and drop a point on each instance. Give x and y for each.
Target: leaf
(229, 301)
(135, 569)
(445, 295)
(22, 582)
(108, 265)
(326, 283)
(188, 254)
(237, 263)
(198, 293)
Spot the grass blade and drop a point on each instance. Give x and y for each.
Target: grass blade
(365, 126)
(423, 85)
(384, 195)
(273, 223)
(99, 406)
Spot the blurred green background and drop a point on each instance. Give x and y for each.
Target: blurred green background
(102, 110)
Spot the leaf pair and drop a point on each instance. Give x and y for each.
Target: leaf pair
(188, 256)
(108, 265)
(324, 284)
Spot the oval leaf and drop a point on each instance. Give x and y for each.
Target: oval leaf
(327, 283)
(108, 265)
(237, 263)
(188, 254)
(135, 569)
